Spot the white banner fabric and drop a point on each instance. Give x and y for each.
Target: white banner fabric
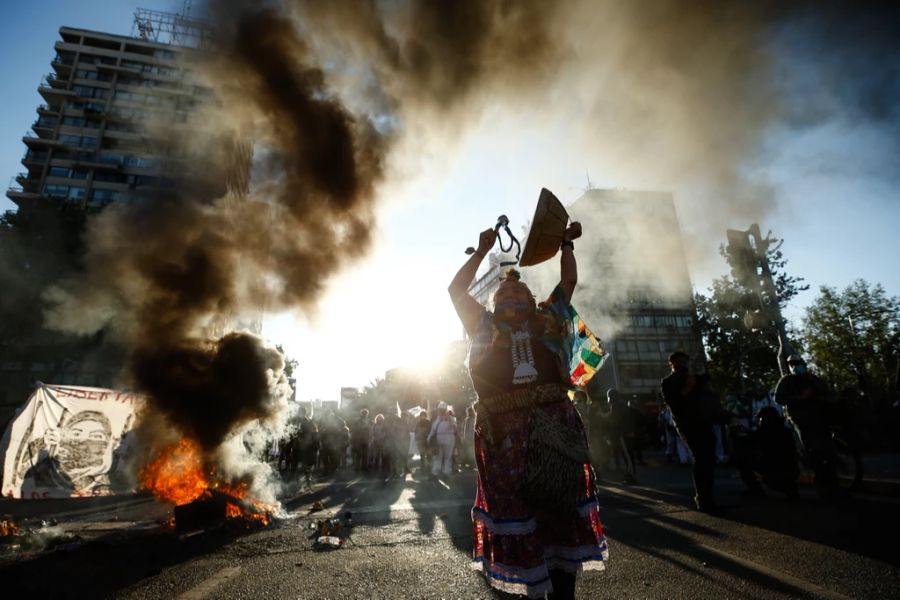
(68, 442)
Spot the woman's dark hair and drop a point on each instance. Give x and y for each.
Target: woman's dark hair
(511, 275)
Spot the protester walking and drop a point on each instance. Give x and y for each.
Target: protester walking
(694, 410)
(536, 517)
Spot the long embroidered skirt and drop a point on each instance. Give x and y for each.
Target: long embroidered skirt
(513, 546)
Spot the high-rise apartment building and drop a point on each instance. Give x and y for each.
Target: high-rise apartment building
(90, 144)
(634, 288)
(102, 135)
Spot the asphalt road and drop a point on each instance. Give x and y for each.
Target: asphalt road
(411, 539)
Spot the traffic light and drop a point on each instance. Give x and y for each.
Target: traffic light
(742, 258)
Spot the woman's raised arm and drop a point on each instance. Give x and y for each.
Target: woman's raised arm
(568, 270)
(466, 306)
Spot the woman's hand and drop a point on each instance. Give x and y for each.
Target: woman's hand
(573, 232)
(486, 241)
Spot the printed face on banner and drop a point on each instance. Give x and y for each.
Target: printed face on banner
(69, 442)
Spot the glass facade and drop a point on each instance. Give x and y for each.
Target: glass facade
(102, 90)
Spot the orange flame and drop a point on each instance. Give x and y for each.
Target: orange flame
(179, 475)
(176, 474)
(8, 527)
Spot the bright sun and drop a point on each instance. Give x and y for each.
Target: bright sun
(374, 319)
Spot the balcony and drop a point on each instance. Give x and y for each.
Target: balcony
(44, 128)
(24, 178)
(17, 193)
(32, 157)
(35, 141)
(53, 94)
(63, 66)
(54, 81)
(46, 109)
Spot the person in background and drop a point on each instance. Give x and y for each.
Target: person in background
(772, 456)
(359, 440)
(809, 406)
(378, 458)
(442, 439)
(308, 444)
(423, 428)
(690, 398)
(398, 438)
(640, 428)
(622, 433)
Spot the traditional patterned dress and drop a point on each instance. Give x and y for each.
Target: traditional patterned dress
(516, 545)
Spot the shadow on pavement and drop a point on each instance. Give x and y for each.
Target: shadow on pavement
(102, 567)
(370, 499)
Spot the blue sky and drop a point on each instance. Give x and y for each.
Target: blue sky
(838, 212)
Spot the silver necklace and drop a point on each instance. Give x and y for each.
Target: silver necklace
(522, 357)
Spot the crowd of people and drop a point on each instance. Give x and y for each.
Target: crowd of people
(754, 434)
(386, 445)
(765, 434)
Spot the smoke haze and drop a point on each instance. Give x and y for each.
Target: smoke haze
(335, 97)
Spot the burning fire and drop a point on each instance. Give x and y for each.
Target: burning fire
(179, 475)
(8, 527)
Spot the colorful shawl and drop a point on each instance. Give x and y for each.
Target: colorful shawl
(563, 332)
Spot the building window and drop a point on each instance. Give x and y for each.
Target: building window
(111, 177)
(648, 347)
(683, 321)
(78, 140)
(93, 59)
(56, 191)
(110, 158)
(662, 321)
(130, 96)
(87, 91)
(131, 64)
(93, 75)
(106, 196)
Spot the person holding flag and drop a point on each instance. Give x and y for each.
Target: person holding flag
(536, 517)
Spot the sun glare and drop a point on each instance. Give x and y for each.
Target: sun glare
(373, 319)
